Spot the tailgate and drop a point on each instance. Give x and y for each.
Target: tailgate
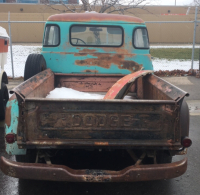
(119, 123)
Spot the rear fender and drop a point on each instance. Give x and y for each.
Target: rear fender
(11, 124)
(184, 119)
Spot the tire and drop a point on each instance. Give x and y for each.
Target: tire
(35, 63)
(29, 157)
(163, 157)
(3, 100)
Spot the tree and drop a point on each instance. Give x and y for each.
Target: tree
(196, 2)
(101, 6)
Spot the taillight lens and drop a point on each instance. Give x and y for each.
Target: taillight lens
(10, 138)
(186, 142)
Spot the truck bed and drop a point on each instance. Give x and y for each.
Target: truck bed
(149, 120)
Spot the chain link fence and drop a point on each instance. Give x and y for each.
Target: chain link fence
(166, 56)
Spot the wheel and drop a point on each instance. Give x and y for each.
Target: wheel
(35, 63)
(3, 100)
(79, 40)
(29, 157)
(163, 157)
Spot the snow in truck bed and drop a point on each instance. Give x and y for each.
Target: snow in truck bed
(68, 93)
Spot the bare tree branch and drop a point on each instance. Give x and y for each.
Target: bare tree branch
(102, 6)
(56, 9)
(197, 2)
(68, 8)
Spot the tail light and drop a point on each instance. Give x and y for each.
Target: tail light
(186, 142)
(10, 138)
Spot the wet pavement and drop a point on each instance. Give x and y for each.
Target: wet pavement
(187, 184)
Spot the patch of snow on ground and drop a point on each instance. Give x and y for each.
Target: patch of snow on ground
(163, 64)
(21, 52)
(68, 93)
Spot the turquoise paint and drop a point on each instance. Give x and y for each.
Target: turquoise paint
(12, 149)
(61, 59)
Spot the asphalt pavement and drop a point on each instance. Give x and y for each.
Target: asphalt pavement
(187, 184)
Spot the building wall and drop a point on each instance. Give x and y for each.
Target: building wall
(39, 1)
(158, 33)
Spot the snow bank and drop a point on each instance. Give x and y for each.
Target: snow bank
(68, 93)
(3, 32)
(164, 64)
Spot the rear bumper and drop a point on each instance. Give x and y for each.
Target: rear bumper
(63, 173)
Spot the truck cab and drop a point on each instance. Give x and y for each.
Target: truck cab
(93, 43)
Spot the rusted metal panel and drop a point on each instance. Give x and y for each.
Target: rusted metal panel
(8, 116)
(161, 89)
(63, 173)
(140, 88)
(37, 86)
(93, 17)
(106, 60)
(100, 120)
(103, 61)
(88, 83)
(121, 87)
(103, 143)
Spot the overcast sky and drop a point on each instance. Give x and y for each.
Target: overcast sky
(172, 2)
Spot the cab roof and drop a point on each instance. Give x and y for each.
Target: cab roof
(94, 17)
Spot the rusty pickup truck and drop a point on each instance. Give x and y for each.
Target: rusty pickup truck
(113, 139)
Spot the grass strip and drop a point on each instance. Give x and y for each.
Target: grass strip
(175, 53)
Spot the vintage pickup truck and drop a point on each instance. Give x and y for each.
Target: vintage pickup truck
(113, 139)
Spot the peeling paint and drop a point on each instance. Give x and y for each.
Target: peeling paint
(8, 116)
(12, 105)
(91, 71)
(106, 60)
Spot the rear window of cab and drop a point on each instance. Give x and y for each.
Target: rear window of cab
(96, 35)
